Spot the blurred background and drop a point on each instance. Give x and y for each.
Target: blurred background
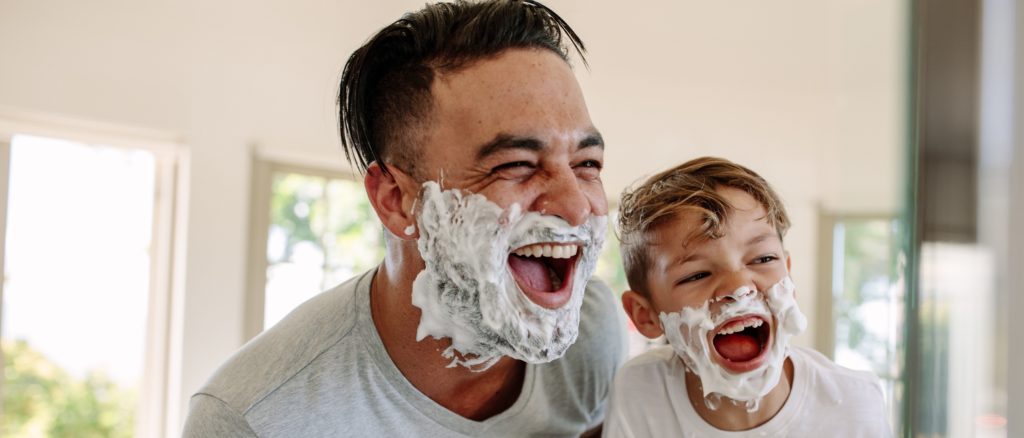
(171, 183)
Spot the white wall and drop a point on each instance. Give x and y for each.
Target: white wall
(808, 93)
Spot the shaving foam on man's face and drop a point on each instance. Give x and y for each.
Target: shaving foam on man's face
(739, 352)
(500, 282)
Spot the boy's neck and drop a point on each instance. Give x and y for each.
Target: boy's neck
(734, 417)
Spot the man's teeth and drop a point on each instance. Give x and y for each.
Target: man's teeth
(547, 250)
(739, 326)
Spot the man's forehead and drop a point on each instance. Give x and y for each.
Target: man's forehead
(521, 99)
(513, 76)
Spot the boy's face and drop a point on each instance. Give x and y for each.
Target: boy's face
(721, 274)
(686, 273)
(726, 305)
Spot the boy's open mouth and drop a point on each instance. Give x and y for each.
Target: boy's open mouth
(741, 344)
(544, 272)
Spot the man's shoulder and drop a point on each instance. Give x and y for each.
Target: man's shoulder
(602, 337)
(284, 350)
(600, 308)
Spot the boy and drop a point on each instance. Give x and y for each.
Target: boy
(702, 245)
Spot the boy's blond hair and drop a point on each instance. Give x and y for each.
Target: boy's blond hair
(687, 188)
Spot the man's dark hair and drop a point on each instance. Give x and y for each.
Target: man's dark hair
(385, 87)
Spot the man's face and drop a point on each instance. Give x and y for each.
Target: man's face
(726, 305)
(513, 234)
(515, 129)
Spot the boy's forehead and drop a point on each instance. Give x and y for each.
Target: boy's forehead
(684, 233)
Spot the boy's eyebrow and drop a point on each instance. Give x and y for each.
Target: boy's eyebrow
(689, 257)
(761, 238)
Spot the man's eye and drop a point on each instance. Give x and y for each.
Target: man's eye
(694, 277)
(588, 170)
(591, 164)
(513, 169)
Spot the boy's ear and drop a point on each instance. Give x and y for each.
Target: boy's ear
(392, 195)
(642, 313)
(789, 264)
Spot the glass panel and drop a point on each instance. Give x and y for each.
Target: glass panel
(867, 301)
(76, 285)
(323, 231)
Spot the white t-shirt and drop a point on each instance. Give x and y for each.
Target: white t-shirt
(649, 400)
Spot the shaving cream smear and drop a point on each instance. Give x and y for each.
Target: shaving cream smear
(466, 292)
(687, 332)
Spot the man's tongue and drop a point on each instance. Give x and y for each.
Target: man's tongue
(531, 271)
(737, 347)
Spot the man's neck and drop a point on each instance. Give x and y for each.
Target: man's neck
(473, 395)
(734, 416)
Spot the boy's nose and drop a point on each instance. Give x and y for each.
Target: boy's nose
(734, 285)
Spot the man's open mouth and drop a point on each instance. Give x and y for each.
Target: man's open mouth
(544, 272)
(741, 344)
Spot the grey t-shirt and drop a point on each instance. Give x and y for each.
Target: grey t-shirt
(323, 371)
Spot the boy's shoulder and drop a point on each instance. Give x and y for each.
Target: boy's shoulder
(832, 380)
(817, 363)
(650, 370)
(657, 359)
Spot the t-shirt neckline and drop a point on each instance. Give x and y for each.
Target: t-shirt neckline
(428, 407)
(776, 426)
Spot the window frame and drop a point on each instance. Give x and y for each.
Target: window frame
(154, 412)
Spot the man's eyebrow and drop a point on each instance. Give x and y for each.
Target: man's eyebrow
(593, 139)
(505, 141)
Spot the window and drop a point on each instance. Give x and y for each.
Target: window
(84, 235)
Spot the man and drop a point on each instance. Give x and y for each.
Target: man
(482, 163)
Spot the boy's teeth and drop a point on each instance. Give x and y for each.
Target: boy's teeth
(739, 326)
(547, 250)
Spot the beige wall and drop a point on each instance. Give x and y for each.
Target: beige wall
(810, 93)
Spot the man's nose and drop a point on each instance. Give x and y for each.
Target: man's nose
(562, 196)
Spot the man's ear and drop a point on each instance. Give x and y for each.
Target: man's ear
(642, 313)
(392, 195)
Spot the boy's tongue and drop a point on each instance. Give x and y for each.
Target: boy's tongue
(737, 347)
(531, 271)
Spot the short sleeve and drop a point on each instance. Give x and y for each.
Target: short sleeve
(208, 416)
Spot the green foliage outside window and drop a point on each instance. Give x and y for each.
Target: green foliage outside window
(41, 399)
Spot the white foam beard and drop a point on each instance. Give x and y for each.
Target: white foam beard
(466, 292)
(687, 333)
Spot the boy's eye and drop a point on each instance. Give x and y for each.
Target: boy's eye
(694, 277)
(765, 259)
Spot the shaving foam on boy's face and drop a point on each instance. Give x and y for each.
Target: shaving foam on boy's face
(739, 352)
(500, 282)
